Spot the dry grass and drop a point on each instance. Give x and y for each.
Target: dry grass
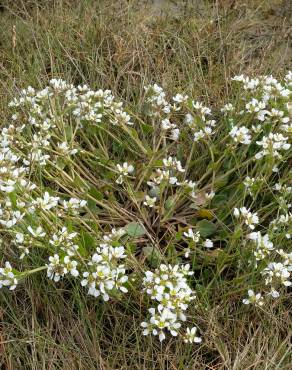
(122, 45)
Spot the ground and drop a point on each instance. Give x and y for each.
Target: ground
(193, 46)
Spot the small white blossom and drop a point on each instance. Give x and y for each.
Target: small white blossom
(191, 235)
(191, 336)
(253, 298)
(46, 203)
(7, 277)
(241, 135)
(125, 169)
(250, 219)
(150, 202)
(208, 243)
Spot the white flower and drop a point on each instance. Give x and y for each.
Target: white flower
(46, 203)
(227, 108)
(248, 83)
(74, 205)
(201, 109)
(38, 233)
(191, 337)
(55, 269)
(287, 257)
(179, 98)
(71, 266)
(249, 218)
(122, 118)
(255, 106)
(150, 202)
(236, 212)
(59, 84)
(202, 134)
(171, 162)
(10, 217)
(175, 134)
(277, 272)
(210, 195)
(189, 119)
(105, 271)
(253, 298)
(263, 245)
(191, 235)
(208, 243)
(274, 293)
(125, 169)
(241, 135)
(65, 149)
(7, 277)
(272, 145)
(166, 124)
(64, 240)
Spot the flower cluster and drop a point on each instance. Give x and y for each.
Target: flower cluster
(167, 175)
(169, 289)
(252, 185)
(73, 205)
(162, 109)
(59, 267)
(263, 245)
(42, 111)
(268, 107)
(196, 115)
(250, 219)
(201, 126)
(65, 241)
(265, 112)
(106, 274)
(272, 145)
(283, 223)
(26, 241)
(7, 277)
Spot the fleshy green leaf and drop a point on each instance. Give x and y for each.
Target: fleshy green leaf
(134, 229)
(206, 228)
(153, 255)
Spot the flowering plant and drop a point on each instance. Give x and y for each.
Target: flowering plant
(121, 201)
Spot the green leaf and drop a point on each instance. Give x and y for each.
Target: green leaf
(13, 198)
(68, 132)
(131, 248)
(206, 228)
(153, 255)
(134, 229)
(168, 204)
(221, 182)
(219, 200)
(154, 192)
(87, 243)
(147, 129)
(61, 163)
(237, 234)
(95, 194)
(178, 236)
